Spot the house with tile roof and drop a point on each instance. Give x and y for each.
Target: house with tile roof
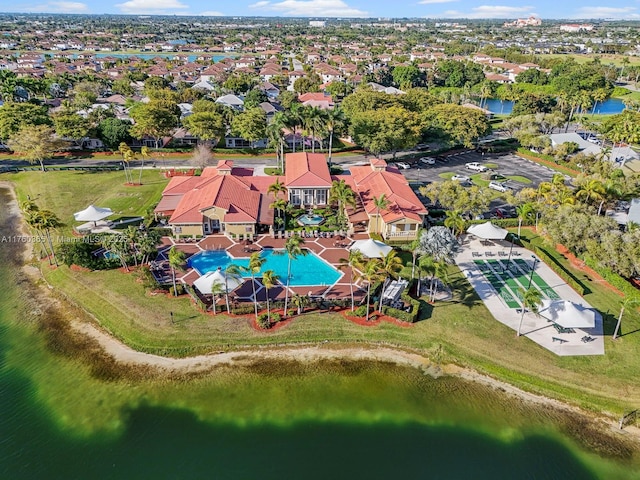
(307, 179)
(404, 214)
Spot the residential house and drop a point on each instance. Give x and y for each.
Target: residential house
(307, 179)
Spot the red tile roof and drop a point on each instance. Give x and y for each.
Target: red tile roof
(403, 202)
(307, 170)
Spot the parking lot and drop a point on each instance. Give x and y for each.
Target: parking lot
(508, 165)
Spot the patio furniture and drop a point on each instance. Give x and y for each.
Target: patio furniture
(489, 254)
(560, 340)
(587, 339)
(502, 254)
(561, 329)
(476, 254)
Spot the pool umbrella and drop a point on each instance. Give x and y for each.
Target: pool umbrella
(205, 283)
(568, 314)
(488, 231)
(371, 248)
(92, 214)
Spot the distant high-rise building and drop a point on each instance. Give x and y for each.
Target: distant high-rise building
(318, 23)
(524, 22)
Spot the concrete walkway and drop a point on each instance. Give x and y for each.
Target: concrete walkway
(534, 327)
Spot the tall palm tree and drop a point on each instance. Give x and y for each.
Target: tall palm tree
(293, 249)
(371, 272)
(293, 119)
(118, 246)
(334, 121)
(625, 304)
(255, 265)
(531, 300)
(217, 289)
(177, 259)
(381, 203)
(144, 153)
(47, 221)
(232, 272)
(342, 193)
(441, 272)
(525, 212)
(31, 216)
(280, 204)
(391, 264)
(275, 132)
(269, 280)
(455, 221)
(355, 260)
(426, 266)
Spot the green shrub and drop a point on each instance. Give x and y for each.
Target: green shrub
(561, 271)
(263, 321)
(81, 253)
(276, 317)
(614, 279)
(361, 311)
(411, 316)
(242, 309)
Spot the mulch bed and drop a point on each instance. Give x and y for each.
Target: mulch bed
(580, 265)
(78, 268)
(362, 321)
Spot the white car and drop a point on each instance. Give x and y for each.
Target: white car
(475, 166)
(402, 165)
(500, 187)
(461, 178)
(428, 160)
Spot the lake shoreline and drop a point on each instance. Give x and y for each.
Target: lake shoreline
(126, 357)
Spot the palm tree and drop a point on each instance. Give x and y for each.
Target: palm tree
(525, 212)
(455, 221)
(342, 193)
(47, 221)
(275, 132)
(293, 249)
(280, 205)
(391, 264)
(355, 260)
(381, 203)
(334, 121)
(232, 272)
(627, 303)
(118, 246)
(217, 288)
(426, 266)
(127, 156)
(293, 119)
(371, 272)
(531, 300)
(269, 280)
(300, 302)
(144, 153)
(255, 265)
(177, 259)
(31, 216)
(441, 272)
(591, 190)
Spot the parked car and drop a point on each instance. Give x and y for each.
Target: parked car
(475, 166)
(500, 187)
(422, 146)
(403, 165)
(428, 160)
(461, 178)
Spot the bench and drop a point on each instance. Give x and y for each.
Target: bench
(561, 340)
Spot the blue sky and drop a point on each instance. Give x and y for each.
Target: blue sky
(619, 9)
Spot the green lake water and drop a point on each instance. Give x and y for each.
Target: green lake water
(60, 419)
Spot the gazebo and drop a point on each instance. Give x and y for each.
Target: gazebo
(568, 314)
(371, 248)
(91, 216)
(488, 231)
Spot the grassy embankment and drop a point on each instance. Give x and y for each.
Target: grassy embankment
(461, 330)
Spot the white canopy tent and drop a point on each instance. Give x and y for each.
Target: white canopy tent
(488, 231)
(568, 314)
(92, 214)
(371, 248)
(205, 283)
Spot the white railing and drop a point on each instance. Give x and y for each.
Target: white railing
(408, 234)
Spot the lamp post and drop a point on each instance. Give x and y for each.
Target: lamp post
(533, 268)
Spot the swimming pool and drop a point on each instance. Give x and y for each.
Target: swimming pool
(306, 270)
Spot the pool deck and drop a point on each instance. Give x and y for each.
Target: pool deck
(534, 327)
(325, 248)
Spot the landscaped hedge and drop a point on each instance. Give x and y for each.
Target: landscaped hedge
(547, 160)
(563, 273)
(503, 222)
(614, 279)
(410, 317)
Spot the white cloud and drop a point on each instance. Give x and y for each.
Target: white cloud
(491, 11)
(606, 12)
(56, 7)
(211, 13)
(151, 6)
(431, 2)
(310, 8)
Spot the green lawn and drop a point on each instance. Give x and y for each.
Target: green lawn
(461, 330)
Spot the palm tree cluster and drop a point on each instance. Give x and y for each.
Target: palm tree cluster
(43, 222)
